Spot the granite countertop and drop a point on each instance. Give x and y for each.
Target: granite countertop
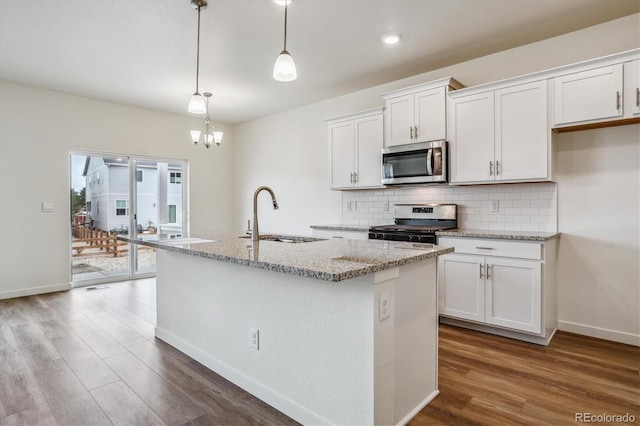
(503, 235)
(328, 260)
(355, 228)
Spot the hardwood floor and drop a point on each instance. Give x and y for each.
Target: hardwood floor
(89, 357)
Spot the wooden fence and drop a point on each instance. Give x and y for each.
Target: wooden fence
(96, 242)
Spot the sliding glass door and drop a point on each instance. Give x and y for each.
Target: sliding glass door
(115, 195)
(159, 204)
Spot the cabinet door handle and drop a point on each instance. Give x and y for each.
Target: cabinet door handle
(618, 100)
(415, 128)
(485, 248)
(351, 177)
(497, 168)
(355, 177)
(490, 168)
(638, 96)
(481, 275)
(488, 271)
(411, 132)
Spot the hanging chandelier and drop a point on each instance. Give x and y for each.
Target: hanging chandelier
(210, 137)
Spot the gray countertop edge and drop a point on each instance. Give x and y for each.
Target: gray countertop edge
(354, 228)
(498, 234)
(302, 272)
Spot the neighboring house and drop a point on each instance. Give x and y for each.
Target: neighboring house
(107, 194)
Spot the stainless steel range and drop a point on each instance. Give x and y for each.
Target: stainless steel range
(417, 223)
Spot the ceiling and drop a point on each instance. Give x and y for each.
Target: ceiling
(143, 52)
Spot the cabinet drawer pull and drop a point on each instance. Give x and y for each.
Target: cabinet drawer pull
(481, 276)
(485, 248)
(618, 100)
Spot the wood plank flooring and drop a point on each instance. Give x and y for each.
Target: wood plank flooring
(90, 358)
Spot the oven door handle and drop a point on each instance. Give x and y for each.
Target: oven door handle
(430, 162)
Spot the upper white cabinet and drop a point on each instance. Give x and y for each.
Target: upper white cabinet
(417, 113)
(631, 103)
(355, 144)
(597, 93)
(500, 135)
(588, 95)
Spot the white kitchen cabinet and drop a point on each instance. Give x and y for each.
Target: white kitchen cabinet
(498, 286)
(594, 94)
(347, 234)
(461, 288)
(501, 135)
(631, 85)
(417, 113)
(355, 144)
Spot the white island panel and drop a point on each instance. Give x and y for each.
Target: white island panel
(325, 357)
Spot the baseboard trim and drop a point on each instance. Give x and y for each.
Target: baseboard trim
(600, 333)
(418, 408)
(525, 337)
(287, 406)
(34, 290)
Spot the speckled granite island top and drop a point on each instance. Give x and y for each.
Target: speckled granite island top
(328, 260)
(504, 235)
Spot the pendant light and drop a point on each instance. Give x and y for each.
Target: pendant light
(284, 68)
(197, 103)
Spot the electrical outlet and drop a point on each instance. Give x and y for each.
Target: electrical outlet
(494, 206)
(384, 306)
(254, 338)
(386, 206)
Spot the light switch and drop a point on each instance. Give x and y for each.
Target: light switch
(48, 207)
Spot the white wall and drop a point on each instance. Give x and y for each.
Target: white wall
(289, 152)
(599, 217)
(38, 128)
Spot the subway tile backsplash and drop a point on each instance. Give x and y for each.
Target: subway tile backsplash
(521, 207)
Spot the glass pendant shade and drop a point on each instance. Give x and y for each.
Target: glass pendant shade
(195, 136)
(217, 137)
(284, 68)
(197, 104)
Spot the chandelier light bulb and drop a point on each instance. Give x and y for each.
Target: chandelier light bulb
(195, 136)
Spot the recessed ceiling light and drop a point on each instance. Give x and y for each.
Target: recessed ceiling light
(391, 38)
(282, 2)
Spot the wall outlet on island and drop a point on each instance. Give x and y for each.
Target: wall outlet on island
(494, 207)
(254, 338)
(384, 306)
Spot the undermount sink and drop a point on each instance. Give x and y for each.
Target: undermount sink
(181, 241)
(285, 238)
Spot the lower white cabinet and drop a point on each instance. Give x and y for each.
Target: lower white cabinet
(500, 286)
(338, 233)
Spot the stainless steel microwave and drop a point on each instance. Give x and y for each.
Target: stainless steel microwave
(424, 162)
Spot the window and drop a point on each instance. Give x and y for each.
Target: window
(88, 208)
(138, 175)
(122, 208)
(175, 177)
(172, 213)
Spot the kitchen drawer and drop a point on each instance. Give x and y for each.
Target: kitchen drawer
(490, 247)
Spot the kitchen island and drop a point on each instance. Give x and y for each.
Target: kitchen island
(327, 331)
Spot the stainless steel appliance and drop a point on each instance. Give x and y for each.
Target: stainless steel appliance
(424, 162)
(417, 223)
